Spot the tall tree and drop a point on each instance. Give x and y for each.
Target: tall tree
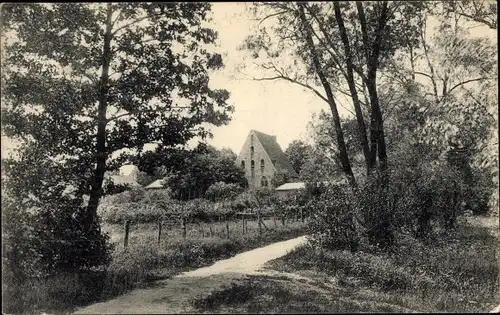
(83, 81)
(297, 153)
(369, 34)
(307, 31)
(352, 87)
(202, 167)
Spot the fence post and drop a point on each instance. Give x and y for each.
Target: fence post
(211, 231)
(159, 233)
(227, 229)
(127, 230)
(301, 214)
(243, 224)
(183, 227)
(258, 221)
(283, 219)
(275, 224)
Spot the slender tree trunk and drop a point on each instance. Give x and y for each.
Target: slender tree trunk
(377, 136)
(377, 129)
(352, 88)
(101, 154)
(344, 158)
(412, 62)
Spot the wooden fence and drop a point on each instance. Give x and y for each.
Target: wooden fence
(243, 217)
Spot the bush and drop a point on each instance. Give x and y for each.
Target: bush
(222, 191)
(44, 252)
(332, 223)
(433, 192)
(376, 202)
(243, 201)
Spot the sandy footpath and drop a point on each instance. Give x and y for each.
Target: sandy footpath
(174, 295)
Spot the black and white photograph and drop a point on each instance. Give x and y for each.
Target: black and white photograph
(249, 157)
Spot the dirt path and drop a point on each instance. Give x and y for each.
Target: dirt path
(174, 295)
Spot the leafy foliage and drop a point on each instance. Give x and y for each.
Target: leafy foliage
(332, 223)
(297, 153)
(222, 191)
(80, 82)
(200, 169)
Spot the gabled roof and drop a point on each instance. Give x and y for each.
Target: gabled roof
(156, 184)
(274, 151)
(302, 185)
(122, 180)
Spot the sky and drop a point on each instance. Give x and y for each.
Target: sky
(273, 107)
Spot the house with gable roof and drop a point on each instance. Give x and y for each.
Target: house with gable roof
(262, 158)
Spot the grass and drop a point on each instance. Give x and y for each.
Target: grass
(140, 232)
(457, 272)
(145, 260)
(266, 294)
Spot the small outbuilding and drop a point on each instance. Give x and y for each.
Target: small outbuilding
(289, 188)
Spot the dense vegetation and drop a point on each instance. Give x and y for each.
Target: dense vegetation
(455, 272)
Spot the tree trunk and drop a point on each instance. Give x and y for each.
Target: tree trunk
(377, 137)
(101, 154)
(352, 88)
(344, 158)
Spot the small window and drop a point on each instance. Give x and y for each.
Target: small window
(252, 164)
(262, 164)
(263, 181)
(251, 150)
(242, 164)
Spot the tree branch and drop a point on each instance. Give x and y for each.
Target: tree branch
(491, 24)
(269, 16)
(465, 82)
(117, 18)
(429, 64)
(327, 37)
(364, 30)
(424, 74)
(143, 111)
(282, 77)
(130, 24)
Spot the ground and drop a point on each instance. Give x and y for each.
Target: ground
(176, 295)
(257, 282)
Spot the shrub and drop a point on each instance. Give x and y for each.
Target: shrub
(243, 201)
(43, 254)
(433, 192)
(332, 223)
(263, 196)
(222, 191)
(375, 201)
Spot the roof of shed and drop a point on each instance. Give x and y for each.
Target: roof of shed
(292, 186)
(121, 180)
(156, 184)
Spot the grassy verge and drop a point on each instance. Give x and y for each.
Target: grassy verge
(145, 260)
(458, 272)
